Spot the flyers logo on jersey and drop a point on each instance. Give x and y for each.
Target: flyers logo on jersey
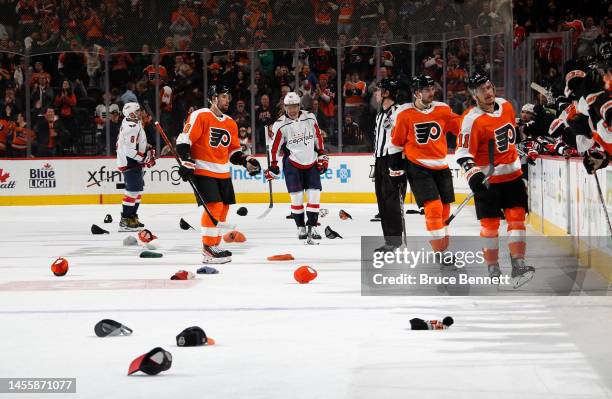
(426, 131)
(219, 137)
(504, 136)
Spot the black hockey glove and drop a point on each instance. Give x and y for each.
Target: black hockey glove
(250, 163)
(187, 167)
(397, 172)
(474, 176)
(595, 160)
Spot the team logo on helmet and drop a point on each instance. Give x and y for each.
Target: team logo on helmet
(426, 131)
(219, 137)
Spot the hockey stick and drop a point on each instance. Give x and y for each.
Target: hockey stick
(190, 180)
(543, 91)
(402, 192)
(603, 203)
(113, 175)
(271, 205)
(486, 182)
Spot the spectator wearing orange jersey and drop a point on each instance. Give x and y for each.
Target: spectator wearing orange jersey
(21, 137)
(156, 75)
(49, 133)
(65, 101)
(326, 98)
(38, 72)
(5, 130)
(93, 26)
(346, 9)
(186, 13)
(354, 92)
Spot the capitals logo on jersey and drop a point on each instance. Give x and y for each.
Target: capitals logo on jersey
(426, 131)
(219, 137)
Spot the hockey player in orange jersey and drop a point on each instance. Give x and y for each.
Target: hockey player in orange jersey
(208, 144)
(420, 134)
(493, 118)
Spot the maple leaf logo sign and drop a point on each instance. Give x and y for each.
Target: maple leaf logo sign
(4, 176)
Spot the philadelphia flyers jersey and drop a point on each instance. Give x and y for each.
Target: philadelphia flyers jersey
(213, 141)
(478, 127)
(421, 134)
(602, 134)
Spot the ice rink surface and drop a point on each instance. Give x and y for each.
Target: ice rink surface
(275, 338)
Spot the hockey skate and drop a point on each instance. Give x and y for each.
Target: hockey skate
(215, 255)
(127, 224)
(521, 273)
(494, 270)
(386, 248)
(311, 236)
(447, 262)
(315, 233)
(137, 221)
(376, 218)
(302, 233)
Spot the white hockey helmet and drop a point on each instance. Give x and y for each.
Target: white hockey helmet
(291, 98)
(130, 110)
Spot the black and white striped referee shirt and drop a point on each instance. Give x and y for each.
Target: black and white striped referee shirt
(382, 131)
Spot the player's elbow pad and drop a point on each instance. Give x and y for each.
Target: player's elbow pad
(184, 151)
(238, 158)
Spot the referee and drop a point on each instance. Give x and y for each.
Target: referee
(387, 190)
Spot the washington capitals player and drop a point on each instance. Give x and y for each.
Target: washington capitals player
(297, 134)
(133, 153)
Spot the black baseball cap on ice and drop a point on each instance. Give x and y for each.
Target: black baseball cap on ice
(193, 336)
(153, 362)
(111, 328)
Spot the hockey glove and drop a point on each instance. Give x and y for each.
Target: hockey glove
(250, 163)
(187, 169)
(397, 172)
(580, 126)
(322, 163)
(474, 177)
(532, 155)
(272, 173)
(149, 160)
(398, 177)
(594, 160)
(252, 166)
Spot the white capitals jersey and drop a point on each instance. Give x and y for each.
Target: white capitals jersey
(300, 136)
(131, 144)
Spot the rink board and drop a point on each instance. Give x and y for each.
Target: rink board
(564, 201)
(61, 181)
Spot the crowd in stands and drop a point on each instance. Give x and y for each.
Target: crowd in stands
(68, 66)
